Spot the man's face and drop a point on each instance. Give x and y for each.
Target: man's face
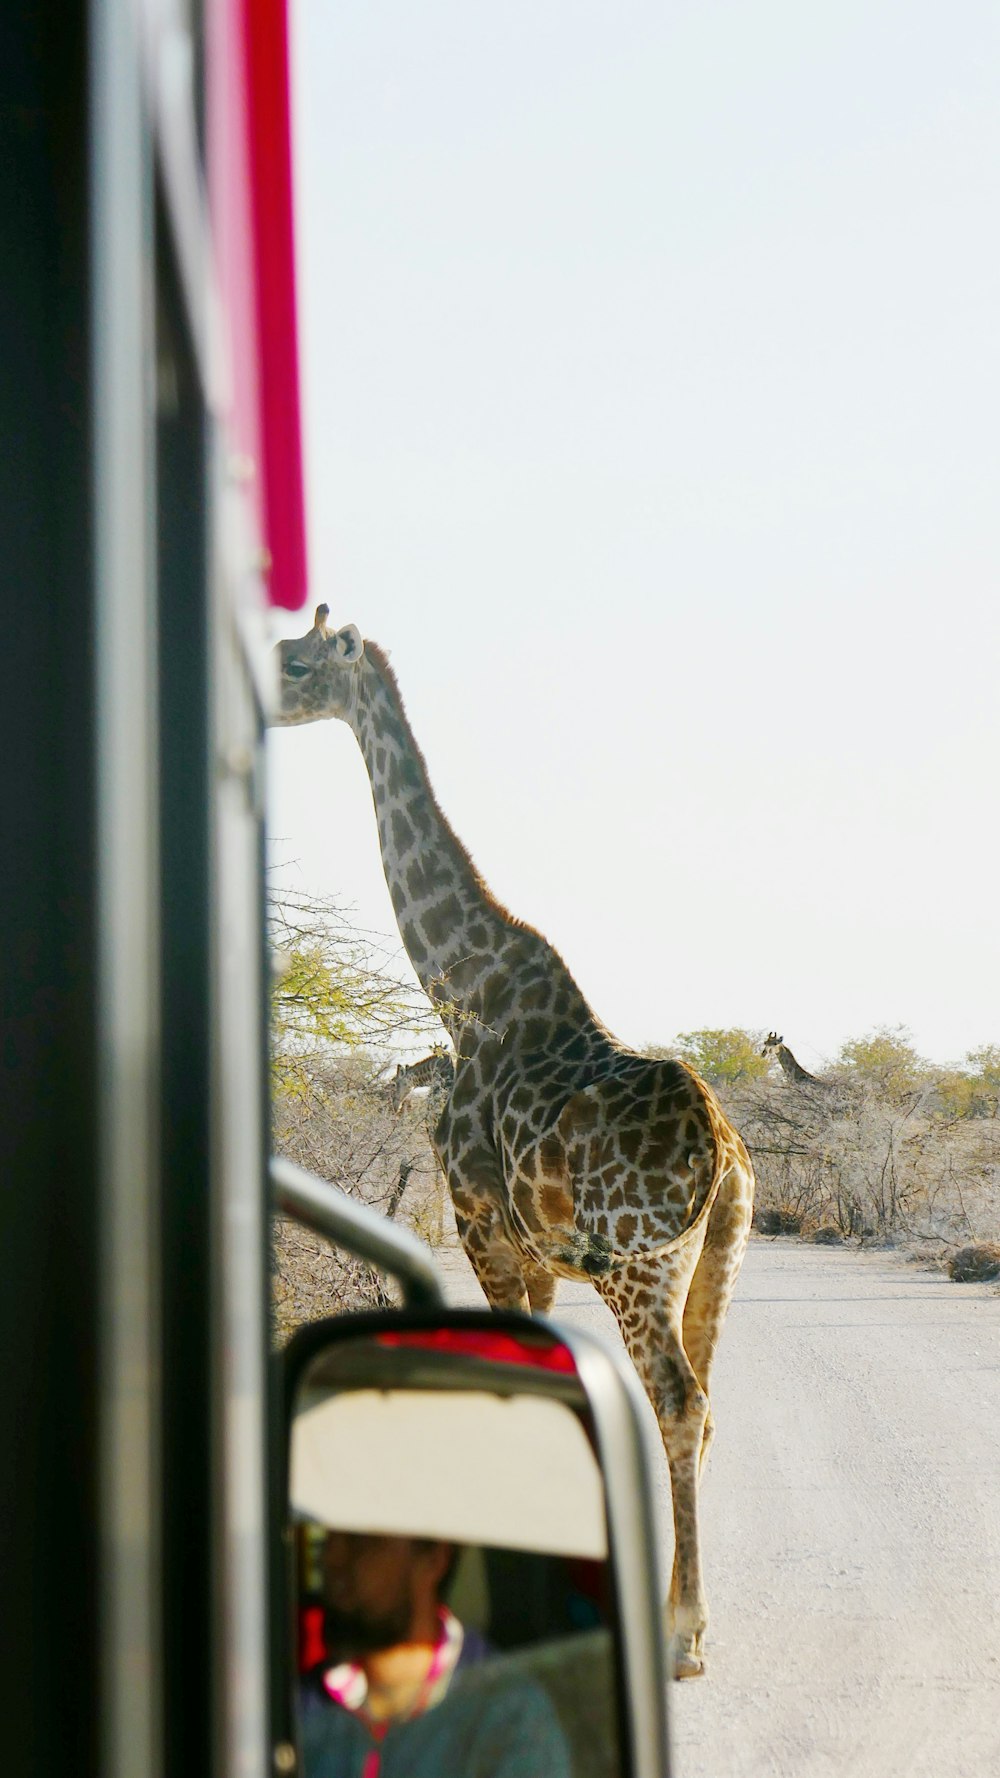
(371, 1589)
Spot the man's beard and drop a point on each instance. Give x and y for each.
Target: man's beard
(353, 1633)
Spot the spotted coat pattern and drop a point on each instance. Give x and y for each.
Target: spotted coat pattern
(566, 1154)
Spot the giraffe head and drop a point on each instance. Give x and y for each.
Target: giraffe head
(318, 672)
(771, 1043)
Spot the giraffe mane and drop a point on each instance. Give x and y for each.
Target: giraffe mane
(380, 660)
(383, 667)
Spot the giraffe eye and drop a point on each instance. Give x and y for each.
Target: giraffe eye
(295, 669)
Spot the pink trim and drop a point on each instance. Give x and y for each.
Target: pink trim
(271, 202)
(442, 1647)
(250, 186)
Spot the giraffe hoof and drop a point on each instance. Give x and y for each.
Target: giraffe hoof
(689, 1662)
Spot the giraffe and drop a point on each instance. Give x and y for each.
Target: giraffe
(567, 1155)
(436, 1071)
(774, 1045)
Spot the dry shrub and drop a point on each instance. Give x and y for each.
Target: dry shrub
(781, 1219)
(827, 1235)
(931, 1259)
(870, 1164)
(311, 1279)
(341, 1126)
(975, 1264)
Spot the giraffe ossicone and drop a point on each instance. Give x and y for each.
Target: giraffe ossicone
(567, 1155)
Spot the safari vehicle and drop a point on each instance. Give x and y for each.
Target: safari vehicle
(155, 1569)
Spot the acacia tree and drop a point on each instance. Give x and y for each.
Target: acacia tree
(341, 1003)
(984, 1081)
(336, 989)
(723, 1056)
(886, 1060)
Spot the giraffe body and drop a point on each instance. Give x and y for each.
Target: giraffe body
(566, 1154)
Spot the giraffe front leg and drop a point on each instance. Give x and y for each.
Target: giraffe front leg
(489, 1252)
(476, 1187)
(508, 1281)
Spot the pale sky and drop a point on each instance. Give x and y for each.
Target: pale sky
(652, 387)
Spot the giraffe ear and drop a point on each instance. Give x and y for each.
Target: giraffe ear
(349, 643)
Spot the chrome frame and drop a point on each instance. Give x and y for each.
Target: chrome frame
(618, 1404)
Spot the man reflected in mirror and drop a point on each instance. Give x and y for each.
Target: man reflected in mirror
(393, 1697)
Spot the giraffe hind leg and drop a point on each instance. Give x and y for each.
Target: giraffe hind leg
(714, 1281)
(648, 1297)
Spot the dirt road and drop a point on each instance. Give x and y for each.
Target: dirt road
(852, 1522)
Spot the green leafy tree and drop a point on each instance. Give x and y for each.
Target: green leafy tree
(335, 989)
(955, 1093)
(723, 1057)
(985, 1063)
(887, 1060)
(973, 1091)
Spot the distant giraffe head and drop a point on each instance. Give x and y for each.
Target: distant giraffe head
(771, 1043)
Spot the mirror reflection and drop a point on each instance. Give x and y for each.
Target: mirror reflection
(453, 1593)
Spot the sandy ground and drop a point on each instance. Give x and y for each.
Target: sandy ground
(851, 1521)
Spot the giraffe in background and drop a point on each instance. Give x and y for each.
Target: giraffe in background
(566, 1154)
(774, 1045)
(436, 1071)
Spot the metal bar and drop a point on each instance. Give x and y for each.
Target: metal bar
(618, 1406)
(362, 1231)
(129, 1019)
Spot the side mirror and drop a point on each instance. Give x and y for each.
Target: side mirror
(473, 1577)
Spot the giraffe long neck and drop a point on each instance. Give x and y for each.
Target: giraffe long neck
(792, 1068)
(454, 932)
